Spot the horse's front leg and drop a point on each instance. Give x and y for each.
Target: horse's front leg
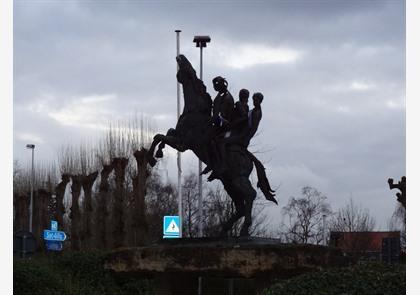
(152, 161)
(171, 138)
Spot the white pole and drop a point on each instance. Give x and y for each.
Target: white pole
(178, 92)
(200, 168)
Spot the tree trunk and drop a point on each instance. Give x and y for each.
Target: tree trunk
(60, 190)
(75, 212)
(22, 212)
(86, 233)
(102, 208)
(40, 215)
(119, 165)
(139, 223)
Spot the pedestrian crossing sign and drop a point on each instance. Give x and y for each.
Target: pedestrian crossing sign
(171, 226)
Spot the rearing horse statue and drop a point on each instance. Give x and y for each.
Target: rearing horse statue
(192, 132)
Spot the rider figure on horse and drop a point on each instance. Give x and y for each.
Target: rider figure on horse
(232, 124)
(223, 106)
(247, 124)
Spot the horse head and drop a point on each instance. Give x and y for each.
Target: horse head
(196, 98)
(186, 71)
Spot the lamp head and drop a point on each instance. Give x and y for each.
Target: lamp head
(201, 41)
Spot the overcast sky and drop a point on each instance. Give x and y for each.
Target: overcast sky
(332, 74)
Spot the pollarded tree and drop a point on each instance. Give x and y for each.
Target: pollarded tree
(305, 217)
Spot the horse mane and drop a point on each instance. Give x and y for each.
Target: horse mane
(201, 90)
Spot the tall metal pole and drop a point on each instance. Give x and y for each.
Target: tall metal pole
(31, 206)
(201, 42)
(200, 168)
(323, 230)
(178, 93)
(31, 203)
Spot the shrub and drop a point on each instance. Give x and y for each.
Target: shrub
(72, 273)
(35, 278)
(362, 279)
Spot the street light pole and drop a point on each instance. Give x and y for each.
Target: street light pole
(324, 241)
(31, 204)
(178, 92)
(200, 41)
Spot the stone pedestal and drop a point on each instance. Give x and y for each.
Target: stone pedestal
(226, 266)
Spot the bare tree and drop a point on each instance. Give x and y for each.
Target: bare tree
(218, 207)
(352, 218)
(305, 217)
(398, 222)
(79, 164)
(87, 183)
(139, 224)
(122, 140)
(75, 214)
(44, 203)
(20, 198)
(102, 212)
(60, 190)
(161, 200)
(190, 205)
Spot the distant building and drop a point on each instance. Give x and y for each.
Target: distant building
(368, 246)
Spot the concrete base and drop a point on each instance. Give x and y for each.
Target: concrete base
(226, 266)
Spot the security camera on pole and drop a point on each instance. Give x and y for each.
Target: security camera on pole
(200, 41)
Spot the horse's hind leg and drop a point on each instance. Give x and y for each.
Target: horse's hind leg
(243, 185)
(239, 210)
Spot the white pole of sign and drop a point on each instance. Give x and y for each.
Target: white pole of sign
(178, 93)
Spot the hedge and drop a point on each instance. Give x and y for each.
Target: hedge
(72, 273)
(362, 279)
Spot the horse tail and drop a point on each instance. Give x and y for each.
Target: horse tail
(262, 183)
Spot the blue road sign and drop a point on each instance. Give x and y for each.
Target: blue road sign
(54, 245)
(51, 235)
(54, 225)
(171, 226)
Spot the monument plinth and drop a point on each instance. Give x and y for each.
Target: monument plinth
(176, 264)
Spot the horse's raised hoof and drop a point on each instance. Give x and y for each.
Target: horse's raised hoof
(159, 153)
(206, 170)
(152, 161)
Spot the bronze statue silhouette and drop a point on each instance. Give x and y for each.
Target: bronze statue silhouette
(195, 130)
(241, 106)
(223, 111)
